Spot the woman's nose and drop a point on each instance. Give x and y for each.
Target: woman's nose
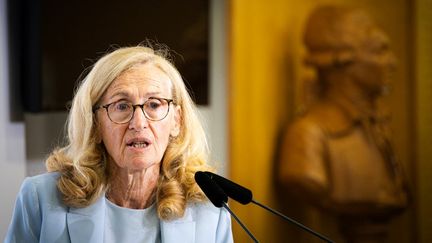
(139, 120)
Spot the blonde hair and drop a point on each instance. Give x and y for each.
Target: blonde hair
(82, 162)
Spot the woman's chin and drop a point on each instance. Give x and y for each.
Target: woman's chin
(139, 164)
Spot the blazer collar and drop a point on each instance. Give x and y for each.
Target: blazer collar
(88, 224)
(182, 228)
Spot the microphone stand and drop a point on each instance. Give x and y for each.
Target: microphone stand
(238, 221)
(291, 221)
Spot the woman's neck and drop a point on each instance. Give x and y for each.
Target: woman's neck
(132, 189)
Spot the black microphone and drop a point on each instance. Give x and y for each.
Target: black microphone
(218, 197)
(244, 196)
(213, 192)
(232, 189)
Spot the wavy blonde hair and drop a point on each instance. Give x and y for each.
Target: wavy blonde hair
(82, 163)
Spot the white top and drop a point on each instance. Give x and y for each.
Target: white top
(131, 225)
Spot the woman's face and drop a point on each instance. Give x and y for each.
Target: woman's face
(140, 143)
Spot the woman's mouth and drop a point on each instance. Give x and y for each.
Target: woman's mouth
(138, 145)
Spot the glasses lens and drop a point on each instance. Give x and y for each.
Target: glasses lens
(156, 109)
(120, 112)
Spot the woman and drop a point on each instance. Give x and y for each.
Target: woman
(127, 172)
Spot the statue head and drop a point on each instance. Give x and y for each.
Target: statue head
(343, 39)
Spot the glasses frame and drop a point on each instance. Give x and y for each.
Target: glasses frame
(169, 101)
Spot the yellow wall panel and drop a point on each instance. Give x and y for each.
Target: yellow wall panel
(424, 117)
(266, 88)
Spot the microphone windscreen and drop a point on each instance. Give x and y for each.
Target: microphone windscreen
(232, 189)
(213, 192)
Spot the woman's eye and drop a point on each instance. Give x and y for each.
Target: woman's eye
(122, 106)
(154, 104)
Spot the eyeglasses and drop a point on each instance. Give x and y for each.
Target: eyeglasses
(121, 112)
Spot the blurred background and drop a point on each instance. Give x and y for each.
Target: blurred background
(242, 60)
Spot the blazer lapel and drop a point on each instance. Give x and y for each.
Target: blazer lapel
(87, 224)
(179, 230)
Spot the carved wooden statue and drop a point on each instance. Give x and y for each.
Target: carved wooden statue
(339, 153)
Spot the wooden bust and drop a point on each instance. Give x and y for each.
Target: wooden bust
(338, 154)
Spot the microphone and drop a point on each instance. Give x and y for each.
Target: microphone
(218, 197)
(213, 192)
(232, 189)
(244, 196)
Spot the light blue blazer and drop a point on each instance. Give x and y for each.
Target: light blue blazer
(40, 216)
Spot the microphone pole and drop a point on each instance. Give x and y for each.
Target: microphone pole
(218, 197)
(322, 237)
(244, 196)
(240, 223)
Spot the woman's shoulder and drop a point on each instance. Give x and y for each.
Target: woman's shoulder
(204, 211)
(37, 207)
(47, 176)
(204, 206)
(46, 181)
(42, 188)
(212, 222)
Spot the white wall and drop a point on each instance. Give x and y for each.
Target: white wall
(12, 146)
(215, 115)
(24, 147)
(44, 130)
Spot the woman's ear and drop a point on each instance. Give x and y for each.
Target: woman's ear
(175, 130)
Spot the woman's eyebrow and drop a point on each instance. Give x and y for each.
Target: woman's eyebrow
(120, 93)
(125, 94)
(150, 94)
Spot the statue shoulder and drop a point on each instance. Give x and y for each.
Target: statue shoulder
(324, 117)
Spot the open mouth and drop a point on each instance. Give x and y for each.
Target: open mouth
(138, 143)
